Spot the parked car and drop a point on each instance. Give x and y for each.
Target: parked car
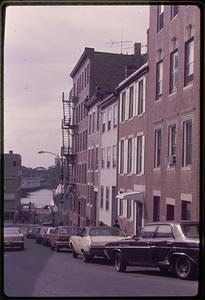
(13, 238)
(45, 236)
(32, 231)
(91, 241)
(60, 236)
(168, 245)
(40, 235)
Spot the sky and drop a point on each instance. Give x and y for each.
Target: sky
(41, 47)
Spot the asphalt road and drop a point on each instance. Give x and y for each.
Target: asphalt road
(40, 272)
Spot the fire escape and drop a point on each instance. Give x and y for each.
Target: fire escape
(69, 129)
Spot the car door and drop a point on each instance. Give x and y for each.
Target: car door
(163, 243)
(139, 253)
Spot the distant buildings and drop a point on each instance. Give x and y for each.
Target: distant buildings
(12, 185)
(131, 128)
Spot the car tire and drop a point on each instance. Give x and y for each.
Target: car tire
(22, 248)
(75, 255)
(86, 258)
(56, 248)
(184, 268)
(120, 263)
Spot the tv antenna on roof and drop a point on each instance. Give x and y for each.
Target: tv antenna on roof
(121, 42)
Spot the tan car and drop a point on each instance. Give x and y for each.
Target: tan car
(91, 241)
(60, 236)
(13, 238)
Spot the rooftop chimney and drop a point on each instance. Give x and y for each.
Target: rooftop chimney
(10, 151)
(137, 49)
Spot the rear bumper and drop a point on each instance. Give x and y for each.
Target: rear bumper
(13, 244)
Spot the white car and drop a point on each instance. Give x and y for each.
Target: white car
(91, 240)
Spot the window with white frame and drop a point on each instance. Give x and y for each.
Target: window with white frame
(173, 71)
(189, 61)
(97, 120)
(187, 143)
(174, 11)
(102, 158)
(172, 140)
(159, 79)
(89, 159)
(129, 209)
(129, 156)
(93, 125)
(115, 115)
(157, 147)
(160, 17)
(92, 158)
(139, 155)
(131, 102)
(122, 157)
(108, 157)
(103, 121)
(123, 103)
(90, 124)
(109, 112)
(114, 156)
(96, 158)
(101, 196)
(107, 198)
(140, 97)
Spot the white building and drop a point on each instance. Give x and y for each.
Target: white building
(108, 159)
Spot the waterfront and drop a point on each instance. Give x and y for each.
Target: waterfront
(40, 197)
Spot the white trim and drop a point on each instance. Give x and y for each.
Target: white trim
(170, 201)
(156, 193)
(186, 197)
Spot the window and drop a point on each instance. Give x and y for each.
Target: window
(156, 209)
(189, 62)
(14, 163)
(90, 124)
(140, 97)
(187, 143)
(101, 196)
(92, 158)
(107, 198)
(93, 125)
(160, 17)
(170, 212)
(164, 231)
(121, 207)
(128, 209)
(159, 79)
(81, 106)
(114, 156)
(131, 94)
(97, 121)
(88, 73)
(148, 231)
(115, 115)
(123, 103)
(121, 157)
(96, 158)
(172, 140)
(86, 139)
(173, 71)
(129, 156)
(186, 210)
(109, 118)
(85, 78)
(157, 148)
(89, 159)
(103, 158)
(174, 11)
(139, 155)
(108, 157)
(103, 121)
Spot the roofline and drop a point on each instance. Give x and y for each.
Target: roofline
(86, 53)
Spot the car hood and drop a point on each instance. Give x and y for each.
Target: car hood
(102, 240)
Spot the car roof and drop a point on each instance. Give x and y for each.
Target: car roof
(173, 222)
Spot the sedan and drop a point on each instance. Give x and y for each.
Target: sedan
(91, 241)
(60, 236)
(167, 245)
(13, 238)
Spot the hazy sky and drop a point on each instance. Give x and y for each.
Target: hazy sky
(42, 45)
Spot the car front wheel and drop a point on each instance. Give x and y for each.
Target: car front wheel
(86, 258)
(184, 267)
(120, 263)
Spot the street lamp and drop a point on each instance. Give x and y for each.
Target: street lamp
(42, 152)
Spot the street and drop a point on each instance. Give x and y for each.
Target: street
(40, 272)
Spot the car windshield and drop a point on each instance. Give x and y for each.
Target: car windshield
(190, 230)
(11, 231)
(107, 232)
(69, 230)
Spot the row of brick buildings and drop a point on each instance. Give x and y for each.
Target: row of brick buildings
(131, 127)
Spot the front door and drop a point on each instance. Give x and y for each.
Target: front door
(138, 219)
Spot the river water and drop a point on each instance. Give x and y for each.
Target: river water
(40, 198)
